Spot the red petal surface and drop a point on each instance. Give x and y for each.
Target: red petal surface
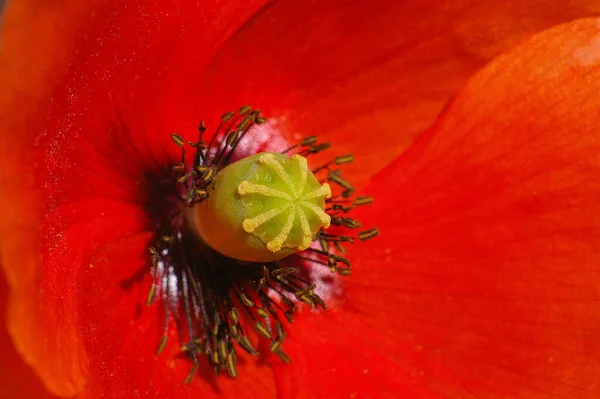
(88, 171)
(26, 78)
(368, 75)
(138, 74)
(18, 379)
(484, 282)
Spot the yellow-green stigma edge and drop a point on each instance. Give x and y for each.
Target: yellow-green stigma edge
(236, 242)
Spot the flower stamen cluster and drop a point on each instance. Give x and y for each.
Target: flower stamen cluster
(214, 297)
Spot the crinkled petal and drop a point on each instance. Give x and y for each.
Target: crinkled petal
(368, 75)
(484, 282)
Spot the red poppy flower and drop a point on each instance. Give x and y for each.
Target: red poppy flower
(484, 282)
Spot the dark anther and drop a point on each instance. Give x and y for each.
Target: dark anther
(226, 117)
(362, 200)
(244, 109)
(344, 159)
(368, 234)
(308, 140)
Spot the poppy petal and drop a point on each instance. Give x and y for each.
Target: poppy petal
(484, 282)
(369, 76)
(27, 78)
(65, 229)
(80, 202)
(338, 354)
(18, 379)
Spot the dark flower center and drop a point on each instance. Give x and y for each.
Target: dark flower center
(216, 300)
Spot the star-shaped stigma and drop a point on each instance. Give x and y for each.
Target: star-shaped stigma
(292, 196)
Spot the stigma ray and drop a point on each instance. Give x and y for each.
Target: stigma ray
(275, 244)
(324, 217)
(250, 225)
(246, 187)
(303, 166)
(269, 160)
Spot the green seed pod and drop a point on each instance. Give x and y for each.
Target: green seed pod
(264, 207)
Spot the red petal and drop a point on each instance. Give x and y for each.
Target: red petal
(485, 282)
(121, 335)
(148, 53)
(340, 354)
(18, 379)
(89, 198)
(27, 78)
(368, 75)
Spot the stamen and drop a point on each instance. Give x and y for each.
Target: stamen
(262, 330)
(226, 117)
(308, 140)
(203, 291)
(344, 159)
(262, 313)
(336, 178)
(368, 234)
(305, 142)
(283, 356)
(346, 222)
(231, 368)
(337, 160)
(177, 139)
(244, 109)
(314, 149)
(363, 201)
(234, 315)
